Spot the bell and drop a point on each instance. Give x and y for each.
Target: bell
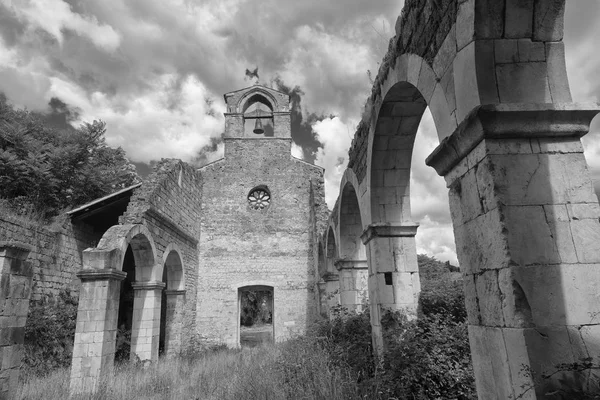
(258, 127)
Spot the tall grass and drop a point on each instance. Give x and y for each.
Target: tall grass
(298, 369)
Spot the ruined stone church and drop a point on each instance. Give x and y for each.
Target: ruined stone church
(175, 254)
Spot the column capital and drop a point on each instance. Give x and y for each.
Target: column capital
(407, 229)
(101, 274)
(511, 121)
(149, 285)
(174, 292)
(350, 264)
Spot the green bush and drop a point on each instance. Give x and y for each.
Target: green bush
(49, 333)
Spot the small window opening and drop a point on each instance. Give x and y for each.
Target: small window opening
(388, 278)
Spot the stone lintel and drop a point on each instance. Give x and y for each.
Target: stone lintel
(101, 274)
(512, 121)
(15, 249)
(408, 229)
(174, 292)
(149, 285)
(351, 264)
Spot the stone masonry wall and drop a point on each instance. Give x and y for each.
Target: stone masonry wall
(241, 246)
(56, 252)
(169, 204)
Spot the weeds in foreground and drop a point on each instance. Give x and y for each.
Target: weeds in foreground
(298, 371)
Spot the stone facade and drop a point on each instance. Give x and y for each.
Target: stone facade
(241, 246)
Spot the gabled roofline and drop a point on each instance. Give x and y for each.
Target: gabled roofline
(97, 202)
(254, 86)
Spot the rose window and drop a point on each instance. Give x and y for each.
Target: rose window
(259, 199)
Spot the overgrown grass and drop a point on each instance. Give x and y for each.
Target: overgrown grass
(299, 369)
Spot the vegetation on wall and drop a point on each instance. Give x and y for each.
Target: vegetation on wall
(48, 169)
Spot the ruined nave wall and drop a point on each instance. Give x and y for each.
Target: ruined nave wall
(56, 252)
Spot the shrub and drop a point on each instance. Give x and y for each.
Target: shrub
(49, 333)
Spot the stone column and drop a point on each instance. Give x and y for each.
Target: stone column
(96, 329)
(527, 231)
(145, 330)
(393, 272)
(353, 281)
(15, 289)
(174, 321)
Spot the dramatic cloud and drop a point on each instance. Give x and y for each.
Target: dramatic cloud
(155, 72)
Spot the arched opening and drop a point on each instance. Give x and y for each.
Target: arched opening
(172, 299)
(258, 117)
(331, 277)
(256, 315)
(436, 249)
(352, 265)
(145, 325)
(125, 315)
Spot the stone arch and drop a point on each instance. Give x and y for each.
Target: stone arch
(172, 302)
(115, 242)
(352, 264)
(332, 253)
(99, 303)
(493, 74)
(255, 93)
(173, 262)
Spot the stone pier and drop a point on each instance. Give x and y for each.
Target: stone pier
(15, 290)
(353, 283)
(393, 272)
(96, 329)
(145, 330)
(527, 227)
(174, 321)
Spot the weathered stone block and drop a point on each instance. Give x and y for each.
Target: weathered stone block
(519, 19)
(489, 298)
(523, 83)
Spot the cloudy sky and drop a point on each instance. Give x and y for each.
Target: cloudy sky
(155, 72)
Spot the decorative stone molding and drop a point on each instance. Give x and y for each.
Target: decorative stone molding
(350, 264)
(510, 121)
(101, 274)
(170, 292)
(387, 230)
(151, 285)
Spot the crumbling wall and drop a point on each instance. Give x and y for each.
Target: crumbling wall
(169, 203)
(56, 251)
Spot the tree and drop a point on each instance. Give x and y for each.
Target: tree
(49, 169)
